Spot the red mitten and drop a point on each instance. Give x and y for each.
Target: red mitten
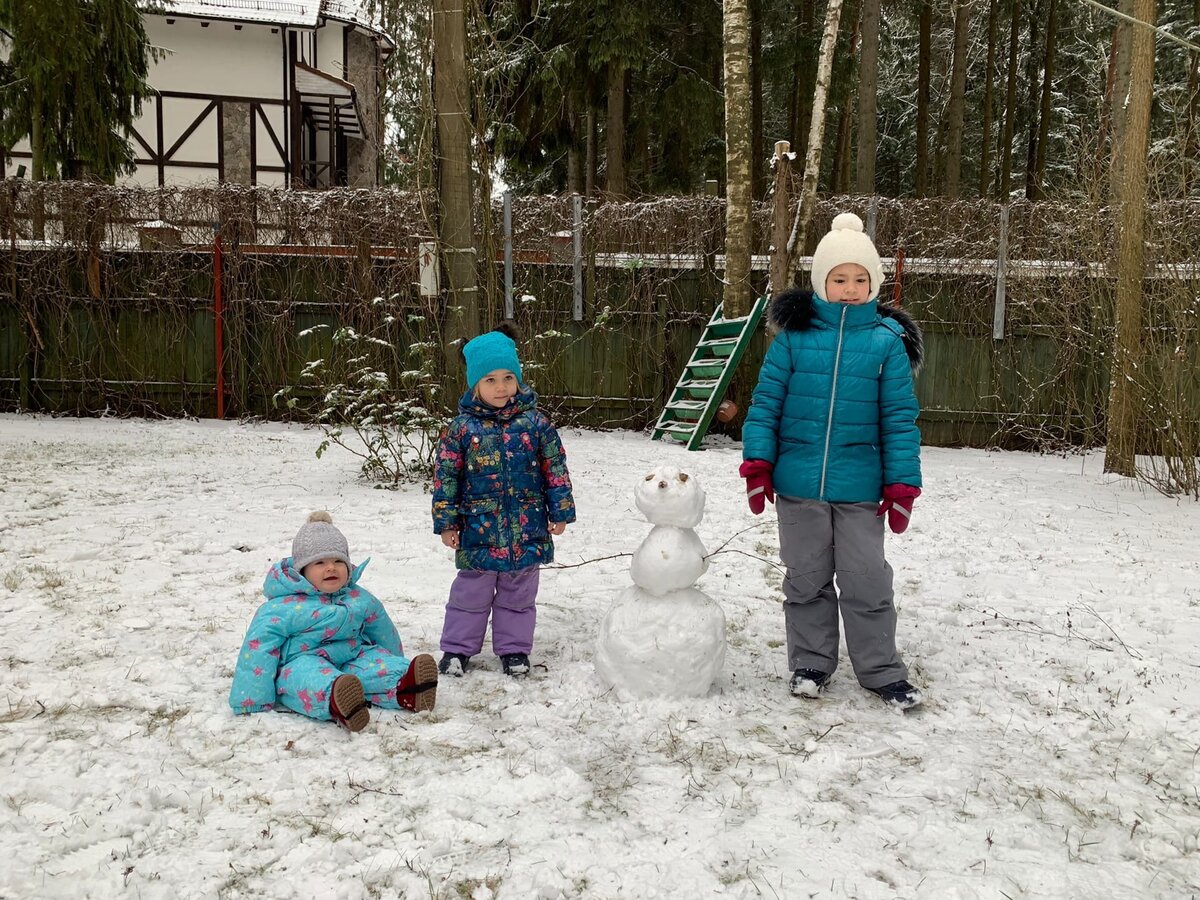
(759, 489)
(898, 503)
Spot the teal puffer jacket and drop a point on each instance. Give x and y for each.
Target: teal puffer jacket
(834, 408)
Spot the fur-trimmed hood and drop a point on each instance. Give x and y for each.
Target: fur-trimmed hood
(792, 310)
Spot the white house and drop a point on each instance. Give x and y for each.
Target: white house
(263, 92)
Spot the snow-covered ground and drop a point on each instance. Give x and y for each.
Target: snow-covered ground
(1052, 614)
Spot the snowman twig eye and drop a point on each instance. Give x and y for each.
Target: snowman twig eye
(650, 477)
(683, 476)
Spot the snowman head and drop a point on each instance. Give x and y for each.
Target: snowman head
(667, 496)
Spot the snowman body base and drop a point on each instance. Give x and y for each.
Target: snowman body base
(672, 645)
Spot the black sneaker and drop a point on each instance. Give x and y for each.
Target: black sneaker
(809, 682)
(515, 664)
(900, 693)
(454, 664)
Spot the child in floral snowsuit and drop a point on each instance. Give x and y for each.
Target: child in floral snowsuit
(501, 490)
(322, 645)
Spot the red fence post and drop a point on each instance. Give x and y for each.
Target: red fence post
(899, 277)
(218, 315)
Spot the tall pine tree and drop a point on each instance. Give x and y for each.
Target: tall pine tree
(74, 83)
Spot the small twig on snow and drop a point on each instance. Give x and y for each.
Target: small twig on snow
(363, 789)
(1125, 646)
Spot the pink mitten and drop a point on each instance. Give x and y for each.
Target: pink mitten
(759, 489)
(898, 503)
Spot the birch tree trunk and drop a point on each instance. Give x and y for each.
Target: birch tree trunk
(868, 92)
(816, 135)
(456, 226)
(923, 61)
(739, 190)
(958, 99)
(1120, 452)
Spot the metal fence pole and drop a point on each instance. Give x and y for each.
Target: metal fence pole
(1001, 274)
(577, 229)
(508, 264)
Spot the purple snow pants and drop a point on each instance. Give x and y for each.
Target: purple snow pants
(508, 596)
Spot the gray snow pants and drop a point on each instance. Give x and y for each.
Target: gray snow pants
(818, 542)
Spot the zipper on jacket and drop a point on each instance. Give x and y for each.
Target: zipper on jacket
(837, 362)
(505, 506)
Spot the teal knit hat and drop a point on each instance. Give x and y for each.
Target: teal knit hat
(489, 352)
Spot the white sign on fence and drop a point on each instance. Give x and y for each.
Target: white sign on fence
(430, 279)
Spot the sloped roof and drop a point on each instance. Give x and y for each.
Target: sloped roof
(302, 13)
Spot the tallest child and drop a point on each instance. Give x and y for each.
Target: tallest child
(832, 429)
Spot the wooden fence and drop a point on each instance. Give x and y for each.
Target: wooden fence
(88, 326)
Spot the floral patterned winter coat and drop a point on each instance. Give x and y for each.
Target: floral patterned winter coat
(501, 478)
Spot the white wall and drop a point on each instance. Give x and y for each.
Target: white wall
(331, 49)
(218, 59)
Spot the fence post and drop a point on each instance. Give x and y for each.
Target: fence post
(872, 217)
(1001, 273)
(218, 324)
(577, 233)
(508, 253)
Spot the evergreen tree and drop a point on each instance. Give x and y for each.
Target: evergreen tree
(74, 83)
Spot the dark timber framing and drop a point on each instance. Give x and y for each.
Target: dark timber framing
(293, 150)
(160, 156)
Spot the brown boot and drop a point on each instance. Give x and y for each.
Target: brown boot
(417, 690)
(348, 703)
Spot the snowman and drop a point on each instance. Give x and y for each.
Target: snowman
(663, 637)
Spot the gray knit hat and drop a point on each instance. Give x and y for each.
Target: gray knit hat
(319, 539)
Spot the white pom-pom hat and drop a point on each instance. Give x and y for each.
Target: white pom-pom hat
(846, 243)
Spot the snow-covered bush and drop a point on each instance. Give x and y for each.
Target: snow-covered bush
(375, 400)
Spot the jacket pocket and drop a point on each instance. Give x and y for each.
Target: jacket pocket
(481, 523)
(532, 518)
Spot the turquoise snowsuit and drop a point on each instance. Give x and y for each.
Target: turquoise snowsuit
(300, 640)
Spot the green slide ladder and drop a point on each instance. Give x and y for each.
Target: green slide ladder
(706, 377)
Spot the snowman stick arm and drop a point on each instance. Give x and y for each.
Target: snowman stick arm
(775, 566)
(737, 534)
(586, 562)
